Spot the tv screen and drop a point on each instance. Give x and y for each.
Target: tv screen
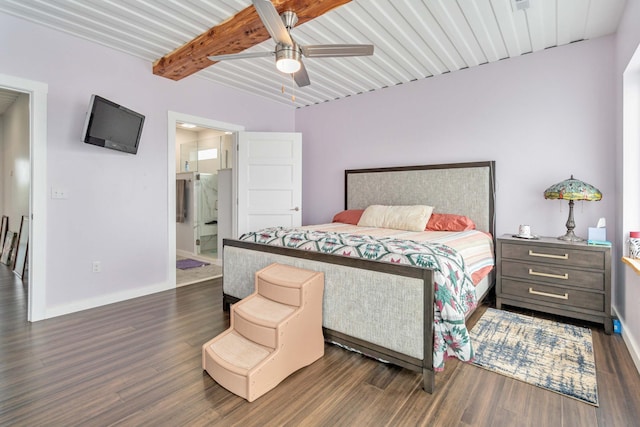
(112, 126)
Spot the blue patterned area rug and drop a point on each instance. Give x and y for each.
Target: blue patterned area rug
(547, 354)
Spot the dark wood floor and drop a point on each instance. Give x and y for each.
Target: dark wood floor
(139, 363)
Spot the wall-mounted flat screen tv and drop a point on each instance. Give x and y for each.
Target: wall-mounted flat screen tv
(112, 126)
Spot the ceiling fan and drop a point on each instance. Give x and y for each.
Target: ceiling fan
(287, 52)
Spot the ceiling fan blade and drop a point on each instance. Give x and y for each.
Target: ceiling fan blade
(301, 76)
(241, 56)
(333, 50)
(272, 21)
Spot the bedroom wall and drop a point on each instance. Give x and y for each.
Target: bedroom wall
(116, 210)
(541, 117)
(628, 283)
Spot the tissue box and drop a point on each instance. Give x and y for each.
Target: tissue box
(598, 234)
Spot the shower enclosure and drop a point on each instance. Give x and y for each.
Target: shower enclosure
(200, 155)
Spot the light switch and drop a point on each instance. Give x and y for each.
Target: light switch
(58, 193)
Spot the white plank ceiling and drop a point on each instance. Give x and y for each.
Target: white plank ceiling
(413, 39)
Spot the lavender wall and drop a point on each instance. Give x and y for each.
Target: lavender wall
(116, 210)
(541, 117)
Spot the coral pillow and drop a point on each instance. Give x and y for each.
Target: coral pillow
(351, 216)
(409, 218)
(449, 222)
(437, 221)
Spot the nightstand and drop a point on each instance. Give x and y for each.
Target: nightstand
(553, 276)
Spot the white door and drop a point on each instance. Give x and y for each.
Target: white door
(269, 189)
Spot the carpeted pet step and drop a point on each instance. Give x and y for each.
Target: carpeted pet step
(238, 353)
(230, 359)
(257, 319)
(274, 332)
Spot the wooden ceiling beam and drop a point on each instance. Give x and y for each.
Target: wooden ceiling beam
(234, 35)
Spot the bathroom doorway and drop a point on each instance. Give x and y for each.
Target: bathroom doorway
(201, 161)
(201, 154)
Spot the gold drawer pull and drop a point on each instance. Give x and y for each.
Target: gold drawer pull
(564, 276)
(544, 294)
(565, 256)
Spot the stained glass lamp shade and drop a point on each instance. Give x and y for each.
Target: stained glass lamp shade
(572, 189)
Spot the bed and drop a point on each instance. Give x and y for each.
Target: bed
(382, 309)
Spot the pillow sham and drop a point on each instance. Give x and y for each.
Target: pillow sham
(449, 222)
(437, 221)
(409, 218)
(350, 216)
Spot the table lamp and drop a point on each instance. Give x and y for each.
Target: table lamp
(572, 189)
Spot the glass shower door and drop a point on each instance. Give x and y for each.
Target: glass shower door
(208, 215)
(200, 156)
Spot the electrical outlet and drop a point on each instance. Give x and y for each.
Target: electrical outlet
(97, 267)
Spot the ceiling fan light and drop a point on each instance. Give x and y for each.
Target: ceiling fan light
(288, 65)
(287, 59)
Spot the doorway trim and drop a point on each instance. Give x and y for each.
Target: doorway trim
(173, 119)
(37, 91)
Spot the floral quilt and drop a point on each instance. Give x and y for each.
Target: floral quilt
(455, 294)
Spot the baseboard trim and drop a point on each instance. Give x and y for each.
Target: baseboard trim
(632, 345)
(104, 300)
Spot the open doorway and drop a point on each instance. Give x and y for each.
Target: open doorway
(203, 156)
(37, 212)
(15, 183)
(201, 159)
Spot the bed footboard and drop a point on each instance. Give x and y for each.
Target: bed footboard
(382, 310)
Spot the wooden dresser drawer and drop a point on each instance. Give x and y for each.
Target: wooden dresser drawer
(560, 255)
(554, 274)
(553, 294)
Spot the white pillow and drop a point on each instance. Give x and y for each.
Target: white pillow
(410, 218)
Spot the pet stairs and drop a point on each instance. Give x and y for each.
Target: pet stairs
(274, 332)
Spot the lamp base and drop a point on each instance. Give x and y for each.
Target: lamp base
(571, 237)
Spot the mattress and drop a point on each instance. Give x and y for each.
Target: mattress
(475, 247)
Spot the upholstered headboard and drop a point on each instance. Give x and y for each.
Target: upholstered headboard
(456, 188)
